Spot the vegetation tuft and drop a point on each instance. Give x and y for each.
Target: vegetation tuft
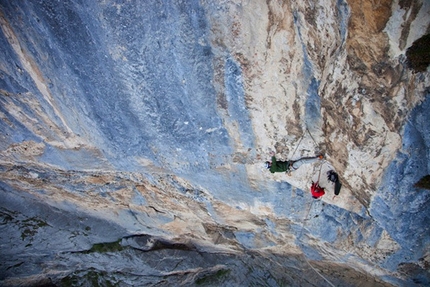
(418, 55)
(106, 247)
(423, 182)
(31, 226)
(214, 278)
(90, 278)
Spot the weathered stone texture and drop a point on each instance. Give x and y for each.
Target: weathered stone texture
(133, 137)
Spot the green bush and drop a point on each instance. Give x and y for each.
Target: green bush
(213, 278)
(423, 182)
(106, 247)
(418, 55)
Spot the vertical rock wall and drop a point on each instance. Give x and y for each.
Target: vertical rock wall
(137, 131)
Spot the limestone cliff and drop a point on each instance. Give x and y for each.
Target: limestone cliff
(133, 137)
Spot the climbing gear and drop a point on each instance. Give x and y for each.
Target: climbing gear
(267, 164)
(332, 176)
(316, 190)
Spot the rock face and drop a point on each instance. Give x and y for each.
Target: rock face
(133, 137)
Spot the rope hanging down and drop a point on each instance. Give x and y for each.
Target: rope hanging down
(300, 243)
(309, 209)
(292, 157)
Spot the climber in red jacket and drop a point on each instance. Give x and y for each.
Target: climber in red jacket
(316, 190)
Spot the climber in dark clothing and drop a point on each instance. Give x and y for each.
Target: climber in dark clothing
(289, 165)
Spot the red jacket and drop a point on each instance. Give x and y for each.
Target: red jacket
(316, 190)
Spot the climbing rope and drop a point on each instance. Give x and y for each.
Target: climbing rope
(316, 145)
(316, 271)
(297, 146)
(309, 209)
(319, 174)
(300, 243)
(311, 136)
(306, 216)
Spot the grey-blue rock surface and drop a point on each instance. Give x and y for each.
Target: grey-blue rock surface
(133, 138)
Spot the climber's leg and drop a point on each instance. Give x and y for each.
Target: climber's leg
(304, 160)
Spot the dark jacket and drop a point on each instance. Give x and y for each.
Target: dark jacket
(279, 166)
